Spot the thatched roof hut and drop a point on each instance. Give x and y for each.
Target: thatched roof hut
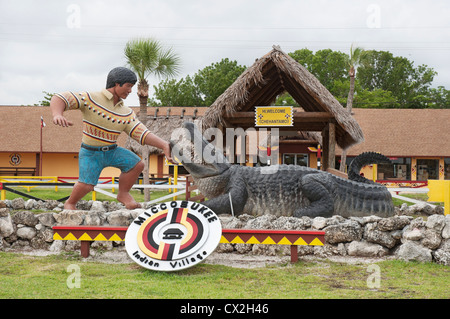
(270, 76)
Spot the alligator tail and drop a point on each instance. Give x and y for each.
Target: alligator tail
(362, 160)
(362, 199)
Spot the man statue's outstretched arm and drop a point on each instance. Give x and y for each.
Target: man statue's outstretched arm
(57, 106)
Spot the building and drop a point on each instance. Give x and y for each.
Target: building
(416, 141)
(21, 140)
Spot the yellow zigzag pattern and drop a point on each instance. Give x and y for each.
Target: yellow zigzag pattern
(85, 236)
(236, 240)
(269, 241)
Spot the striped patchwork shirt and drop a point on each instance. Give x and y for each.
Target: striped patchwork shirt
(102, 120)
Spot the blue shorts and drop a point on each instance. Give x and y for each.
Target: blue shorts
(91, 163)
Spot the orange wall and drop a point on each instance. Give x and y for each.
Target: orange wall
(26, 159)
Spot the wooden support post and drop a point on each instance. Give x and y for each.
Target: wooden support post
(325, 137)
(85, 247)
(324, 163)
(331, 144)
(294, 253)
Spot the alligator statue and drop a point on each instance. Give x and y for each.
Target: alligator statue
(282, 190)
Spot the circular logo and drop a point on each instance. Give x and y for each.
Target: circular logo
(15, 159)
(173, 235)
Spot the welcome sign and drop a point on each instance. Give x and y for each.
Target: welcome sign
(173, 236)
(274, 116)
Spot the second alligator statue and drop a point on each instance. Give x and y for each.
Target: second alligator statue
(284, 190)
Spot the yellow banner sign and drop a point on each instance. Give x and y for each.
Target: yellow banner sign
(274, 116)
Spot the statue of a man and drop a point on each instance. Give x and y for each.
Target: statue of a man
(104, 117)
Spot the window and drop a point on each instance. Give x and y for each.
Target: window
(398, 169)
(295, 159)
(427, 169)
(447, 168)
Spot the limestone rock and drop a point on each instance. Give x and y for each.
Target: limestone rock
(69, 217)
(26, 232)
(414, 234)
(94, 219)
(46, 219)
(446, 229)
(18, 203)
(436, 222)
(431, 239)
(25, 218)
(442, 255)
(97, 206)
(319, 223)
(373, 235)
(366, 249)
(6, 226)
(345, 232)
(119, 218)
(393, 223)
(411, 251)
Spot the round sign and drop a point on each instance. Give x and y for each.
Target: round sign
(173, 235)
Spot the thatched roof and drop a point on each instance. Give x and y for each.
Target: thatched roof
(163, 121)
(270, 76)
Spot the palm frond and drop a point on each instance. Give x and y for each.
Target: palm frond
(169, 64)
(147, 56)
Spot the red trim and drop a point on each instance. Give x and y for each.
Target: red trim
(279, 232)
(225, 231)
(119, 228)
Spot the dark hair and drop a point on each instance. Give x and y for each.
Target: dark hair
(121, 76)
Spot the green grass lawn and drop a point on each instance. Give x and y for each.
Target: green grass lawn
(29, 277)
(50, 193)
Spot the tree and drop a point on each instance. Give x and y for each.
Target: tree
(397, 75)
(147, 57)
(176, 93)
(357, 56)
(202, 89)
(328, 66)
(382, 75)
(213, 80)
(46, 100)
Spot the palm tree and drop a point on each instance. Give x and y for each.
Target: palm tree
(148, 57)
(357, 57)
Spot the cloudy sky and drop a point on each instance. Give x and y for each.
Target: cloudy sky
(71, 45)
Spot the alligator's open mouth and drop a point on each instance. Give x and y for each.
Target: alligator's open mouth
(200, 158)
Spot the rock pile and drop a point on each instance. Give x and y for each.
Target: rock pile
(402, 237)
(424, 239)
